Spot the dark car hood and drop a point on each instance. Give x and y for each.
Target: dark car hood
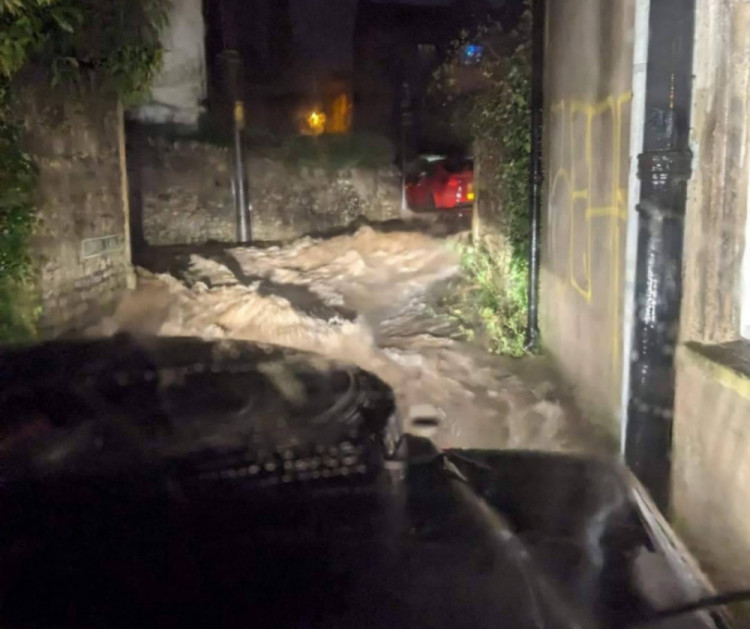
(180, 482)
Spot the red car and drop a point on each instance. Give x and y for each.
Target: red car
(443, 184)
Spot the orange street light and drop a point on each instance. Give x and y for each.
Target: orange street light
(317, 122)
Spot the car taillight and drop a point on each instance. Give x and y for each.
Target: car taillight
(470, 192)
(454, 183)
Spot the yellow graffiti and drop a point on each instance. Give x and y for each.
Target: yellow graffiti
(573, 162)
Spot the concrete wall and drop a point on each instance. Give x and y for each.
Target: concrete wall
(717, 193)
(80, 246)
(711, 478)
(180, 87)
(711, 445)
(588, 75)
(182, 192)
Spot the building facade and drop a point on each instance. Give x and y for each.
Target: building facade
(179, 89)
(596, 111)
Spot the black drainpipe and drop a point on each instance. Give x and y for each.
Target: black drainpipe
(664, 170)
(536, 174)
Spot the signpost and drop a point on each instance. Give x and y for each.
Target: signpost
(233, 72)
(406, 120)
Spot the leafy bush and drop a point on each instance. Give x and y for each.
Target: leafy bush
(499, 295)
(491, 297)
(489, 104)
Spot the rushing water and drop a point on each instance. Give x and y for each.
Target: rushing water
(367, 298)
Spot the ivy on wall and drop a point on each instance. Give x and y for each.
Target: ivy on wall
(17, 180)
(117, 41)
(488, 99)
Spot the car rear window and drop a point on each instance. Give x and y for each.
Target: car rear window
(458, 165)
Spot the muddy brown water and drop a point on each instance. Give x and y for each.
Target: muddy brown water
(367, 298)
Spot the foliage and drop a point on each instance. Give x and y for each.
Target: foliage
(19, 310)
(330, 152)
(18, 177)
(335, 151)
(17, 219)
(117, 41)
(489, 104)
(492, 296)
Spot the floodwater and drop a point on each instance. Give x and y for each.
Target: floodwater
(369, 298)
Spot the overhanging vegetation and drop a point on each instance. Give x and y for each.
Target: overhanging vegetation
(489, 103)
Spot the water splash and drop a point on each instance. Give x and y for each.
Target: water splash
(369, 298)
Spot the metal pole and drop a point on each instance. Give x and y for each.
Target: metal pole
(405, 121)
(664, 169)
(536, 175)
(243, 219)
(403, 168)
(233, 69)
(475, 228)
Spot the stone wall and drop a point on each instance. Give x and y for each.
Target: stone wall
(183, 189)
(290, 202)
(80, 247)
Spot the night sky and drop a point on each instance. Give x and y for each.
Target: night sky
(496, 3)
(323, 29)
